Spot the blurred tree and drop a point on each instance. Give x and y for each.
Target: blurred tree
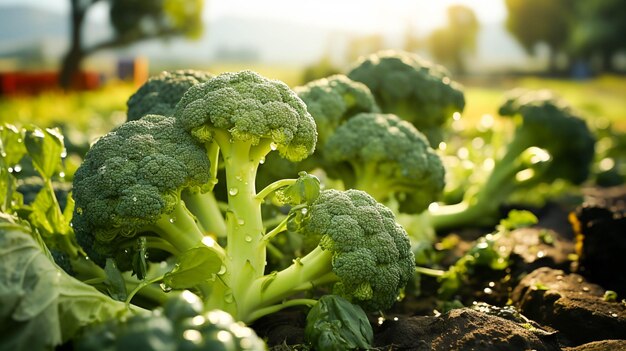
(324, 67)
(364, 45)
(132, 21)
(451, 44)
(541, 21)
(412, 42)
(599, 30)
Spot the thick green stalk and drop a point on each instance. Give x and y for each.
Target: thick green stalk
(206, 209)
(481, 208)
(180, 229)
(246, 254)
(313, 269)
(369, 179)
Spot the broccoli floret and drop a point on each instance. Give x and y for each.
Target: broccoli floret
(411, 88)
(131, 183)
(550, 141)
(180, 325)
(333, 100)
(362, 251)
(160, 94)
(388, 157)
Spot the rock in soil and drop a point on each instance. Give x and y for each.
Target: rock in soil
(604, 345)
(600, 226)
(457, 330)
(571, 305)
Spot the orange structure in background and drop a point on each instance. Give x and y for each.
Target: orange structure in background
(32, 83)
(134, 69)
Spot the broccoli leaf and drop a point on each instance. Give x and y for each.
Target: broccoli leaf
(195, 265)
(42, 306)
(45, 147)
(336, 324)
(115, 281)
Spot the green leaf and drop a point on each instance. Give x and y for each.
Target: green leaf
(336, 324)
(44, 215)
(304, 191)
(517, 219)
(11, 145)
(115, 281)
(194, 266)
(140, 266)
(45, 147)
(11, 152)
(42, 306)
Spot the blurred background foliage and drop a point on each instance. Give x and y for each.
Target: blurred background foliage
(99, 51)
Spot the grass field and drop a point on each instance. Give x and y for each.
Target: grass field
(601, 100)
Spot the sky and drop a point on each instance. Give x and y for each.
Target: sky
(355, 15)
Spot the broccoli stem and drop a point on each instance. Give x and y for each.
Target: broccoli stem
(244, 224)
(206, 209)
(481, 208)
(270, 189)
(305, 273)
(180, 229)
(368, 179)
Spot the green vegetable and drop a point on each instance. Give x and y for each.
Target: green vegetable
(387, 158)
(411, 88)
(550, 142)
(151, 179)
(336, 324)
(160, 94)
(180, 325)
(134, 180)
(333, 100)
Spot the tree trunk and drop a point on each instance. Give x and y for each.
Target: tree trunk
(552, 58)
(74, 57)
(607, 62)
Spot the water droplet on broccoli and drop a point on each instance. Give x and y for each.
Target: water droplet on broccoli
(165, 287)
(233, 191)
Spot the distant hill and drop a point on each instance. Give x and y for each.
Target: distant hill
(28, 24)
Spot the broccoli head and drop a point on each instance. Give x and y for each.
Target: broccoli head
(411, 88)
(160, 94)
(181, 324)
(362, 251)
(330, 101)
(388, 157)
(248, 108)
(371, 253)
(131, 182)
(548, 122)
(333, 100)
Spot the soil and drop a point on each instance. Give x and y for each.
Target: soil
(543, 301)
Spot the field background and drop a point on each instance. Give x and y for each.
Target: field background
(92, 113)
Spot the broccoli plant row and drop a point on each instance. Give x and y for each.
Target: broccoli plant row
(152, 178)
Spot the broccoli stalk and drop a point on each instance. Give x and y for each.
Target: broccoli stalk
(550, 142)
